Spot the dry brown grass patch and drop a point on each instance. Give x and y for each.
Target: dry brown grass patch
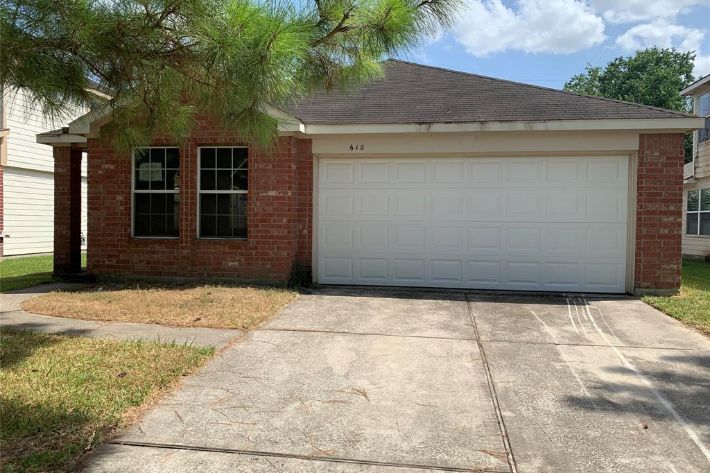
(216, 306)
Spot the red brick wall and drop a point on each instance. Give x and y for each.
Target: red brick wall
(659, 211)
(279, 215)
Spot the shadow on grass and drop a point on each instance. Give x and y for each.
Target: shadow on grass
(13, 283)
(35, 436)
(16, 345)
(38, 437)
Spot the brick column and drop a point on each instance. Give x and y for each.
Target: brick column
(659, 213)
(67, 210)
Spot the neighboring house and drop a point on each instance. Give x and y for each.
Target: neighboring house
(428, 177)
(696, 199)
(26, 179)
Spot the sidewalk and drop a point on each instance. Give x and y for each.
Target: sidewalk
(12, 316)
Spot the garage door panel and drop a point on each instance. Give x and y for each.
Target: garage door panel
(494, 223)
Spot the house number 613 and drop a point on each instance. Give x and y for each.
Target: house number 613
(357, 147)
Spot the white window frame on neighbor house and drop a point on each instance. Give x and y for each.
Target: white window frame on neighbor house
(696, 214)
(200, 191)
(135, 191)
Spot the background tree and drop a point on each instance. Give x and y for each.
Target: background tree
(651, 77)
(164, 61)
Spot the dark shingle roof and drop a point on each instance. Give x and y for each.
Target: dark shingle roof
(414, 93)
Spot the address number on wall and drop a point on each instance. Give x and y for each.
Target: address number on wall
(357, 147)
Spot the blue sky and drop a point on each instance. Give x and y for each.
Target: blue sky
(545, 42)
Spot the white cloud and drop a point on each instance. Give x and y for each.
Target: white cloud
(629, 11)
(662, 34)
(667, 35)
(702, 65)
(533, 26)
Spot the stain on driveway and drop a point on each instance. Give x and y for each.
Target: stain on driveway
(352, 379)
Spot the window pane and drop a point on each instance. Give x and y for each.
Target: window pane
(239, 217)
(157, 224)
(240, 158)
(171, 179)
(223, 226)
(224, 204)
(142, 155)
(691, 226)
(172, 158)
(207, 226)
(240, 180)
(172, 210)
(692, 201)
(208, 204)
(224, 180)
(705, 224)
(157, 203)
(705, 199)
(207, 157)
(207, 179)
(142, 204)
(141, 180)
(141, 225)
(224, 158)
(157, 156)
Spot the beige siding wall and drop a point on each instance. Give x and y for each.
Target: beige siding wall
(702, 160)
(697, 245)
(29, 211)
(28, 181)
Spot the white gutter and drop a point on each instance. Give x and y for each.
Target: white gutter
(648, 124)
(88, 124)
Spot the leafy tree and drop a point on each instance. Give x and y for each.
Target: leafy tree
(651, 77)
(165, 61)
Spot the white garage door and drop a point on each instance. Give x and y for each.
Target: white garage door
(554, 224)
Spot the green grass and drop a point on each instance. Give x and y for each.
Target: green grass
(62, 395)
(692, 305)
(27, 271)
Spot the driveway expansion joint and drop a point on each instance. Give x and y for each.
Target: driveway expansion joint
(491, 387)
(295, 456)
(363, 334)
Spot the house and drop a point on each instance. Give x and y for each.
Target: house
(696, 175)
(27, 179)
(427, 177)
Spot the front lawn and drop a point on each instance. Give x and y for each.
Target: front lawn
(61, 395)
(692, 305)
(184, 305)
(18, 273)
(27, 271)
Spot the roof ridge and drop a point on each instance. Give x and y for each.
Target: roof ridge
(550, 89)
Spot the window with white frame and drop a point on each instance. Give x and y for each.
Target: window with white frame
(698, 212)
(223, 188)
(156, 192)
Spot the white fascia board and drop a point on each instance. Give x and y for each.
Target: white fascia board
(60, 140)
(692, 88)
(680, 124)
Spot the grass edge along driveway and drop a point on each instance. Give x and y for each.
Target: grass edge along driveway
(692, 304)
(60, 395)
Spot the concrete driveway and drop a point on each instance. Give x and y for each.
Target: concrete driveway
(378, 380)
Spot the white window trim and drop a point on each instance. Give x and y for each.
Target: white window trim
(695, 213)
(199, 191)
(148, 191)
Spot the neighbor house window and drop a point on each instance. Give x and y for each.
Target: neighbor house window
(698, 212)
(223, 184)
(156, 197)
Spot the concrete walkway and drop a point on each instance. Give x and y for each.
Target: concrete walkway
(381, 380)
(12, 316)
